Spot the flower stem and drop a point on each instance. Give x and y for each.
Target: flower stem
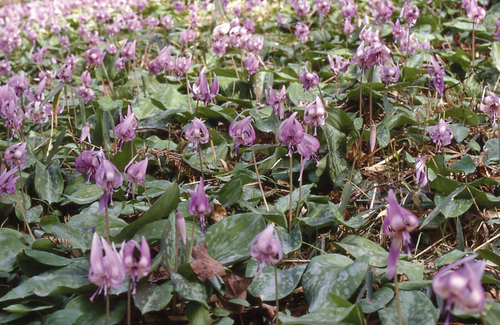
(258, 179)
(398, 300)
(129, 295)
(275, 131)
(24, 216)
(107, 222)
(371, 93)
(473, 44)
(300, 188)
(201, 165)
(277, 299)
(107, 310)
(361, 96)
(189, 97)
(147, 196)
(291, 191)
(191, 244)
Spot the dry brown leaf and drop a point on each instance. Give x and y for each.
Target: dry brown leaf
(204, 265)
(219, 212)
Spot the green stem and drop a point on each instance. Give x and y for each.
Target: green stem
(129, 295)
(300, 188)
(147, 196)
(258, 179)
(107, 222)
(473, 44)
(24, 216)
(201, 165)
(371, 93)
(361, 96)
(398, 300)
(107, 310)
(191, 243)
(291, 191)
(277, 299)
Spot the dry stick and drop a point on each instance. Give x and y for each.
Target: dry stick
(258, 179)
(24, 216)
(277, 299)
(291, 191)
(400, 320)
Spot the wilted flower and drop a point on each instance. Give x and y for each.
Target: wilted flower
(199, 205)
(277, 101)
(95, 56)
(15, 155)
(128, 50)
(8, 181)
(438, 73)
(462, 287)
(291, 132)
(265, 248)
(125, 130)
(441, 134)
(389, 73)
(107, 178)
(180, 224)
(136, 172)
(315, 113)
(251, 64)
(398, 224)
(196, 133)
(308, 79)
(373, 136)
(302, 32)
(105, 271)
(336, 64)
(200, 89)
(420, 174)
(491, 106)
(307, 149)
(242, 132)
(136, 267)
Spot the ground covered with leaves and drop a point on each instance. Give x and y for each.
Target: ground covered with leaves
(191, 128)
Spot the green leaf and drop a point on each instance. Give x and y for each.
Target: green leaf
(63, 316)
(336, 145)
(455, 207)
(190, 289)
(151, 297)
(416, 309)
(85, 195)
(380, 299)
(145, 108)
(466, 164)
(332, 273)
(95, 312)
(264, 287)
(489, 255)
(492, 309)
(441, 205)
(162, 207)
(197, 314)
(449, 257)
(358, 246)
(459, 132)
(12, 243)
(228, 240)
(495, 54)
(320, 215)
(231, 192)
(79, 238)
(283, 203)
(290, 241)
(49, 183)
(325, 316)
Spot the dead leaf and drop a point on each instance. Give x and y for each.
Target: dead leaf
(204, 265)
(236, 288)
(219, 212)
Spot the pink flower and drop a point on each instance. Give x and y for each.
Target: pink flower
(251, 64)
(15, 155)
(315, 113)
(107, 178)
(128, 50)
(302, 32)
(95, 56)
(441, 134)
(196, 133)
(389, 74)
(85, 133)
(308, 79)
(8, 181)
(291, 132)
(242, 132)
(307, 149)
(125, 130)
(201, 91)
(180, 224)
(136, 267)
(199, 205)
(136, 172)
(265, 248)
(420, 174)
(277, 101)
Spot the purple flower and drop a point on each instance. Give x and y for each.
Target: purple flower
(182, 65)
(281, 20)
(302, 32)
(19, 83)
(105, 271)
(277, 101)
(398, 224)
(360, 58)
(251, 64)
(348, 27)
(373, 136)
(111, 49)
(291, 132)
(180, 224)
(128, 50)
(491, 106)
(107, 178)
(15, 155)
(377, 54)
(95, 56)
(397, 31)
(265, 248)
(368, 36)
(88, 162)
(85, 133)
(125, 130)
(136, 172)
(199, 205)
(220, 32)
(315, 113)
(337, 65)
(389, 74)
(86, 79)
(179, 6)
(323, 6)
(307, 149)
(410, 13)
(94, 39)
(420, 174)
(308, 79)
(249, 25)
(255, 44)
(196, 133)
(201, 91)
(474, 11)
(120, 63)
(438, 73)
(301, 8)
(8, 181)
(167, 21)
(441, 134)
(242, 132)
(219, 47)
(5, 68)
(38, 56)
(349, 8)
(87, 94)
(136, 267)
(462, 287)
(65, 73)
(186, 36)
(237, 10)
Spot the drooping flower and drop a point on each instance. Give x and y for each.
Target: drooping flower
(180, 225)
(302, 32)
(120, 64)
(87, 94)
(291, 132)
(397, 31)
(199, 205)
(373, 136)
(196, 133)
(377, 54)
(348, 27)
(88, 162)
(410, 12)
(106, 271)
(85, 133)
(265, 248)
(95, 56)
(398, 224)
(307, 149)
(349, 8)
(201, 91)
(128, 50)
(337, 65)
(85, 78)
(475, 12)
(15, 155)
(125, 130)
(441, 134)
(323, 6)
(277, 101)
(389, 73)
(242, 132)
(8, 181)
(491, 106)
(107, 178)
(182, 65)
(438, 73)
(136, 267)
(251, 64)
(186, 36)
(462, 287)
(136, 172)
(315, 114)
(420, 174)
(308, 79)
